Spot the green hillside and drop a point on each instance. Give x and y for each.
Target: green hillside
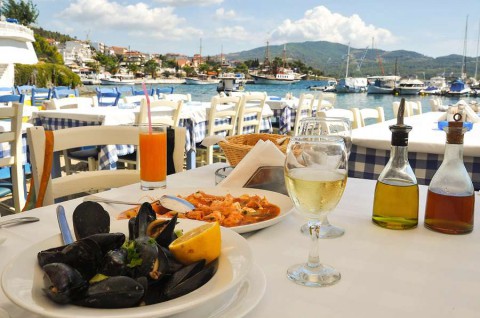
(331, 59)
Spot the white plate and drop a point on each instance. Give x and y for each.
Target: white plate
(237, 302)
(281, 200)
(22, 280)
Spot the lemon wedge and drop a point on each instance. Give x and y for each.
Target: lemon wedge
(203, 242)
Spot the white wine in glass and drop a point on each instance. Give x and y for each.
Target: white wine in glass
(329, 126)
(315, 176)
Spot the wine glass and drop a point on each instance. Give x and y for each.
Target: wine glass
(332, 126)
(315, 176)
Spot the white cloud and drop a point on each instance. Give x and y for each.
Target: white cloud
(137, 19)
(232, 33)
(220, 13)
(183, 3)
(320, 24)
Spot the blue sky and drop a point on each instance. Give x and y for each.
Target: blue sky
(429, 27)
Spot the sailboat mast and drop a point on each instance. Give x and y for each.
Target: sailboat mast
(478, 42)
(464, 64)
(348, 60)
(284, 56)
(200, 50)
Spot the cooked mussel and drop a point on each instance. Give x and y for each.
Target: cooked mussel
(84, 255)
(62, 283)
(115, 263)
(190, 284)
(108, 241)
(163, 231)
(90, 218)
(113, 292)
(52, 255)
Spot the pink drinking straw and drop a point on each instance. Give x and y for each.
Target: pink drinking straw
(144, 87)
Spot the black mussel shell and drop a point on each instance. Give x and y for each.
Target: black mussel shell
(90, 218)
(167, 234)
(154, 261)
(144, 216)
(115, 263)
(113, 292)
(52, 255)
(108, 241)
(173, 264)
(132, 235)
(85, 256)
(191, 283)
(62, 283)
(183, 274)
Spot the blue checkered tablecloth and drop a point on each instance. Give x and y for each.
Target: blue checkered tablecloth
(286, 118)
(5, 149)
(368, 163)
(108, 156)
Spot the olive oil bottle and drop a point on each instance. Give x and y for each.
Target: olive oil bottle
(395, 204)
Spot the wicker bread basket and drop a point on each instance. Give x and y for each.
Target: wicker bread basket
(236, 147)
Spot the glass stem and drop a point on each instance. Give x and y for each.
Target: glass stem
(313, 256)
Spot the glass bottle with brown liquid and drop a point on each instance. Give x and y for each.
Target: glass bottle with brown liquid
(450, 198)
(395, 204)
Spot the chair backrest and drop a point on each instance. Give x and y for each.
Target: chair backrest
(25, 89)
(225, 111)
(163, 90)
(7, 90)
(14, 113)
(415, 107)
(304, 109)
(64, 92)
(371, 113)
(7, 99)
(108, 98)
(39, 95)
(80, 137)
(70, 102)
(326, 101)
(251, 105)
(150, 92)
(434, 104)
(351, 114)
(162, 112)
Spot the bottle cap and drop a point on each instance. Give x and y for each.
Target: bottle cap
(400, 130)
(455, 130)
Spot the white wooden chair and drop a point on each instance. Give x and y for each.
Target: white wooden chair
(70, 102)
(415, 108)
(251, 104)
(326, 101)
(14, 161)
(162, 111)
(222, 117)
(304, 109)
(371, 113)
(351, 114)
(83, 181)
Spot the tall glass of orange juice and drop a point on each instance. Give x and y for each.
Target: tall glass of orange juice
(153, 156)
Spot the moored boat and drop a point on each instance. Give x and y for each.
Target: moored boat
(352, 85)
(201, 79)
(118, 79)
(458, 88)
(437, 85)
(230, 82)
(382, 84)
(410, 87)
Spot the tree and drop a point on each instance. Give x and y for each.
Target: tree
(25, 12)
(151, 67)
(46, 52)
(133, 68)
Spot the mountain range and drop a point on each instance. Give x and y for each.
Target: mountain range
(331, 59)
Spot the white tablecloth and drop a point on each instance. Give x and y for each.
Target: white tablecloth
(385, 273)
(425, 136)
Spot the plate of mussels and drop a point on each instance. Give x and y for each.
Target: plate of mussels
(116, 270)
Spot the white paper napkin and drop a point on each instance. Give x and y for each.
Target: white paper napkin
(265, 153)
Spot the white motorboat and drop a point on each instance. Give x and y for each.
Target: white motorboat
(382, 84)
(410, 87)
(458, 88)
(202, 79)
(230, 82)
(281, 78)
(352, 85)
(329, 87)
(437, 85)
(118, 79)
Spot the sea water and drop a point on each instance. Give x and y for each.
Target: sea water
(204, 93)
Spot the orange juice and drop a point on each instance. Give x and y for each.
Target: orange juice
(153, 156)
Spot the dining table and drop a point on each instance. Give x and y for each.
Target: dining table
(385, 273)
(371, 144)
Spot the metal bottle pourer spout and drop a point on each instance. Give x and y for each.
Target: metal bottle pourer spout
(400, 130)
